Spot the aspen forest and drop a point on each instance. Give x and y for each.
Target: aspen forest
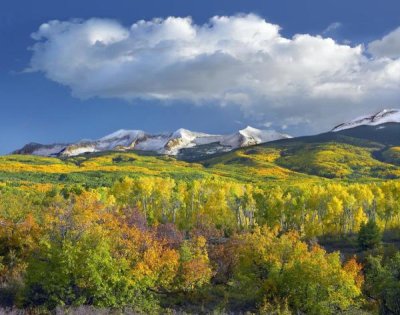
(153, 245)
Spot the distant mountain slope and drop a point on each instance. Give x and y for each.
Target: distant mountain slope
(366, 149)
(362, 151)
(381, 117)
(169, 144)
(386, 133)
(326, 156)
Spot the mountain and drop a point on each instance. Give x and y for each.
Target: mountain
(252, 136)
(364, 149)
(169, 144)
(379, 118)
(382, 127)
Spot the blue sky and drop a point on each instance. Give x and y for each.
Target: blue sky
(39, 106)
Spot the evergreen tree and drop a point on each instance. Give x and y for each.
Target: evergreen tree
(369, 236)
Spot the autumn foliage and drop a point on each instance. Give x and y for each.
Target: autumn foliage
(154, 245)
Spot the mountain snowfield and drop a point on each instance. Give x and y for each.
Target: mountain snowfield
(169, 144)
(382, 117)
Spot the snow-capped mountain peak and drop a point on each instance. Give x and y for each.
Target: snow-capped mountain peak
(122, 133)
(170, 144)
(261, 135)
(251, 136)
(381, 117)
(187, 134)
(249, 131)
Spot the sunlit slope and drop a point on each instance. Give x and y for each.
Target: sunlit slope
(104, 168)
(332, 155)
(93, 169)
(337, 160)
(258, 163)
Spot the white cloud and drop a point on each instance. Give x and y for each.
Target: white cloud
(332, 27)
(388, 46)
(242, 60)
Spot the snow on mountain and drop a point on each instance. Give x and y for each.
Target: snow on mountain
(183, 138)
(382, 117)
(169, 144)
(41, 149)
(251, 136)
(152, 143)
(122, 138)
(119, 140)
(76, 149)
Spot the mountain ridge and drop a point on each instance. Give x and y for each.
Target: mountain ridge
(163, 143)
(382, 126)
(391, 115)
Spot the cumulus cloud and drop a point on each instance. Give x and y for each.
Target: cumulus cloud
(388, 46)
(242, 60)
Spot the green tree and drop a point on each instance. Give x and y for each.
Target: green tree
(382, 283)
(78, 273)
(369, 236)
(274, 272)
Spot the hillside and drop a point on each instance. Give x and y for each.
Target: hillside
(98, 169)
(360, 153)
